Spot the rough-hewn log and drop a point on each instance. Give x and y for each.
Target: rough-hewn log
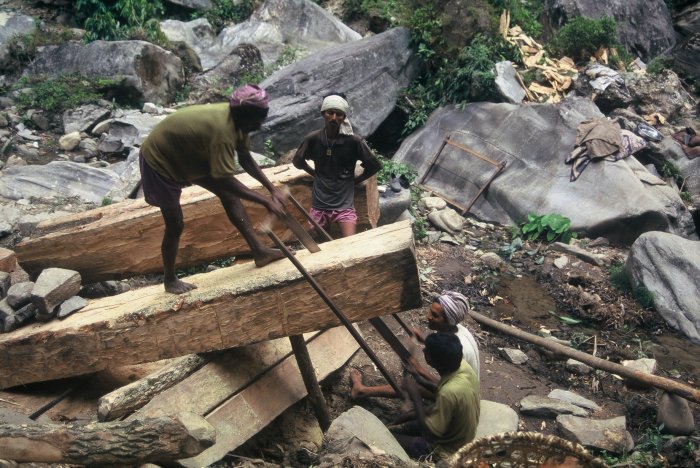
(228, 373)
(127, 399)
(250, 410)
(123, 239)
(113, 443)
(367, 275)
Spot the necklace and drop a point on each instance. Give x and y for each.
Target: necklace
(329, 148)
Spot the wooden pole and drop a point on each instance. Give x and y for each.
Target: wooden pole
(671, 386)
(309, 376)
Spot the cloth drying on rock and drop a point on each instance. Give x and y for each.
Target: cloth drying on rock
(689, 141)
(601, 139)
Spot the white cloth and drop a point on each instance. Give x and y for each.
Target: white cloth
(470, 349)
(338, 103)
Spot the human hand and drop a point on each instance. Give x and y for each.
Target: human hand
(281, 196)
(275, 207)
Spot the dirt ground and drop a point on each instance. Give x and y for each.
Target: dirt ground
(522, 293)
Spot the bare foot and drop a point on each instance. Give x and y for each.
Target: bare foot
(265, 256)
(357, 390)
(178, 287)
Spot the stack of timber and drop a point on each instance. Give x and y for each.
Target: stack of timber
(370, 274)
(123, 239)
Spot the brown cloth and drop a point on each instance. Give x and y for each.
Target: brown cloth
(595, 139)
(689, 141)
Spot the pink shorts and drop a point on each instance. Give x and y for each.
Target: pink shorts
(326, 217)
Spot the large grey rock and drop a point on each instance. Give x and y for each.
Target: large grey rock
(211, 86)
(687, 56)
(195, 4)
(146, 72)
(687, 21)
(533, 141)
(545, 407)
(495, 418)
(669, 267)
(574, 399)
(12, 24)
(129, 178)
(670, 150)
(19, 294)
(644, 27)
(57, 179)
(392, 205)
(84, 118)
(675, 414)
(52, 287)
(507, 84)
(131, 127)
(361, 433)
(270, 28)
(604, 434)
(371, 73)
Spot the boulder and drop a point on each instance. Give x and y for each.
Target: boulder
(392, 205)
(145, 71)
(533, 141)
(370, 72)
(202, 5)
(604, 434)
(644, 27)
(675, 414)
(669, 267)
(52, 287)
(359, 432)
(211, 86)
(545, 407)
(670, 150)
(57, 179)
(13, 24)
(19, 294)
(687, 56)
(84, 118)
(495, 418)
(507, 84)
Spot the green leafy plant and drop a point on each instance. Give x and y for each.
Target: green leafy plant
(617, 274)
(659, 64)
(390, 167)
(122, 19)
(581, 37)
(226, 12)
(106, 201)
(549, 228)
(56, 94)
(524, 13)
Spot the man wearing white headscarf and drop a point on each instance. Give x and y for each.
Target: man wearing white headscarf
(335, 151)
(444, 315)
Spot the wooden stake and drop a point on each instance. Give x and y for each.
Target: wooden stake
(308, 374)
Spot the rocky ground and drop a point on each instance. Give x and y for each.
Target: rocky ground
(531, 293)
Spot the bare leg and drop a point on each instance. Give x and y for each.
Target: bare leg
(360, 390)
(237, 215)
(347, 229)
(174, 224)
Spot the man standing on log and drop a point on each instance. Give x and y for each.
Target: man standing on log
(445, 315)
(198, 145)
(335, 150)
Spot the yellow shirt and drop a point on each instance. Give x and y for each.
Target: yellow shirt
(455, 415)
(195, 142)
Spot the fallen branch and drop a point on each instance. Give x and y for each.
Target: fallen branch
(127, 399)
(671, 386)
(113, 443)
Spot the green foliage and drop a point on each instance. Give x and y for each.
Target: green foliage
(22, 48)
(524, 13)
(420, 227)
(659, 64)
(226, 12)
(106, 201)
(57, 94)
(549, 228)
(469, 76)
(122, 19)
(390, 167)
(686, 196)
(617, 273)
(646, 451)
(644, 297)
(581, 37)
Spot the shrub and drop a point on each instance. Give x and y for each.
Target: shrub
(659, 64)
(390, 168)
(581, 37)
(122, 19)
(524, 13)
(549, 228)
(225, 12)
(56, 94)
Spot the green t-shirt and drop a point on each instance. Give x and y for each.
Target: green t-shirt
(455, 415)
(195, 142)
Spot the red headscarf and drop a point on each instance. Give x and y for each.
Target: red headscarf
(250, 95)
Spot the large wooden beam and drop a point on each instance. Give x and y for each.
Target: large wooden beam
(367, 275)
(123, 239)
(248, 412)
(115, 443)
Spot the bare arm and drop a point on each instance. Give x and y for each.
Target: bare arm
(412, 388)
(245, 159)
(299, 160)
(370, 163)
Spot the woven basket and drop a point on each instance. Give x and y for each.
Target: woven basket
(524, 449)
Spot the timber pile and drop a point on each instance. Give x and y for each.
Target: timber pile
(367, 275)
(122, 240)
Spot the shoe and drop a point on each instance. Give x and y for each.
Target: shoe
(394, 183)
